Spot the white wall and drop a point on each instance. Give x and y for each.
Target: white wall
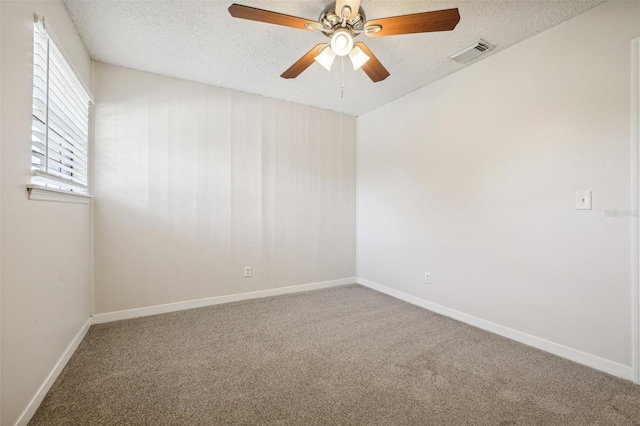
(193, 182)
(45, 245)
(478, 171)
(0, 221)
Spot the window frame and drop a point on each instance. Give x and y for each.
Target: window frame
(40, 190)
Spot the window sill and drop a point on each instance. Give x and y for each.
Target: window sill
(41, 193)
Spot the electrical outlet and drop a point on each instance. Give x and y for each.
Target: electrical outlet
(247, 271)
(427, 277)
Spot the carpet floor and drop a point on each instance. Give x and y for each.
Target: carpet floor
(341, 356)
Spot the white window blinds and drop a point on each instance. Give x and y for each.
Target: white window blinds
(60, 129)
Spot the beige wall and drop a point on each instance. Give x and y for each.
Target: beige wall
(194, 182)
(478, 173)
(45, 247)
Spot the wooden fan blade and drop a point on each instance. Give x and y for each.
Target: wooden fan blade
(373, 67)
(439, 20)
(354, 5)
(303, 63)
(254, 14)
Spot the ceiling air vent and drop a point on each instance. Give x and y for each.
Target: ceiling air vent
(471, 52)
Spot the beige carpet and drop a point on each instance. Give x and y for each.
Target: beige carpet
(342, 356)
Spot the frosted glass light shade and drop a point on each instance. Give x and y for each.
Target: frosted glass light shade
(358, 57)
(341, 43)
(325, 58)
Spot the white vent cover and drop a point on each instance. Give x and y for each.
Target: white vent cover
(470, 52)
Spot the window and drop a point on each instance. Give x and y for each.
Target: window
(60, 127)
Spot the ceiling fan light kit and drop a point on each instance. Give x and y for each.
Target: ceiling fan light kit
(341, 42)
(344, 20)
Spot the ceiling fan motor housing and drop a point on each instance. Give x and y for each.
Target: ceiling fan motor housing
(332, 22)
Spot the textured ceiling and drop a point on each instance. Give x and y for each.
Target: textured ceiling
(200, 41)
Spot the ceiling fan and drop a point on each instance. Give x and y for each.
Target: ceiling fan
(344, 20)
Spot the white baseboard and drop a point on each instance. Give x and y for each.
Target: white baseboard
(35, 402)
(613, 368)
(209, 301)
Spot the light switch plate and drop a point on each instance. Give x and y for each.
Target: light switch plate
(583, 200)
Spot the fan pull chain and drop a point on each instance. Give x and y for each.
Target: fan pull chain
(342, 89)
